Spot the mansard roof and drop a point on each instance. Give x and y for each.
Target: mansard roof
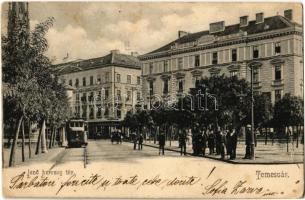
(112, 59)
(269, 24)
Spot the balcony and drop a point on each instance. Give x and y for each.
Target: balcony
(278, 83)
(257, 85)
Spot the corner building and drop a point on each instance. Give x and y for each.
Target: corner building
(272, 47)
(102, 90)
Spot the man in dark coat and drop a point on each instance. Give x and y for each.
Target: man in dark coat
(140, 145)
(182, 142)
(135, 139)
(223, 141)
(195, 141)
(248, 142)
(218, 142)
(204, 140)
(161, 143)
(211, 141)
(233, 144)
(228, 138)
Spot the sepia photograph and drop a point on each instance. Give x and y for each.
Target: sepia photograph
(152, 99)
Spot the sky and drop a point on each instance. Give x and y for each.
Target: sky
(86, 30)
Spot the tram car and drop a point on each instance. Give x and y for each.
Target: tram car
(77, 132)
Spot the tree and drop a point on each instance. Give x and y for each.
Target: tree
(262, 113)
(288, 112)
(131, 121)
(32, 91)
(216, 101)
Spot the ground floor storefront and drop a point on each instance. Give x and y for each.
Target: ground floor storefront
(103, 129)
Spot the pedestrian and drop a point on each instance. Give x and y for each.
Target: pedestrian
(140, 146)
(248, 141)
(182, 142)
(112, 137)
(135, 141)
(189, 137)
(233, 143)
(204, 142)
(195, 139)
(211, 141)
(228, 139)
(161, 140)
(222, 144)
(120, 135)
(218, 141)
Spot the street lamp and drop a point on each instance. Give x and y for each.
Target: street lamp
(252, 156)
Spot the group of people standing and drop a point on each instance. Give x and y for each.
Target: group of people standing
(138, 139)
(220, 141)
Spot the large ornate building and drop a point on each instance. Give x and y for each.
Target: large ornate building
(271, 46)
(103, 89)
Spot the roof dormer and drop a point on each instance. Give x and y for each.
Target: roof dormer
(217, 27)
(243, 21)
(259, 18)
(288, 14)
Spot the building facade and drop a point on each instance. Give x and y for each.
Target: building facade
(105, 89)
(272, 47)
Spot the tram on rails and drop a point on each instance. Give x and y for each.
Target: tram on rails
(77, 132)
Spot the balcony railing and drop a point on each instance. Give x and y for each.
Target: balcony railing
(278, 82)
(257, 84)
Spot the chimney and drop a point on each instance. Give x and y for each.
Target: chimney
(182, 33)
(243, 21)
(259, 17)
(217, 27)
(288, 14)
(115, 51)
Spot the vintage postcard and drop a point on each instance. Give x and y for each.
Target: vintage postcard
(152, 100)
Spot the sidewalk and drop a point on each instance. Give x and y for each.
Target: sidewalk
(264, 154)
(41, 157)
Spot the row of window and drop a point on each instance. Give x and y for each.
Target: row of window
(277, 77)
(98, 80)
(105, 96)
(277, 93)
(215, 60)
(166, 86)
(99, 114)
(277, 73)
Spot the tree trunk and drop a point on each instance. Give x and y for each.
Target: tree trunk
(64, 139)
(38, 140)
(292, 135)
(51, 137)
(155, 134)
(43, 137)
(47, 138)
(170, 135)
(287, 139)
(22, 143)
(266, 135)
(30, 132)
(13, 148)
(54, 137)
(273, 133)
(298, 131)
